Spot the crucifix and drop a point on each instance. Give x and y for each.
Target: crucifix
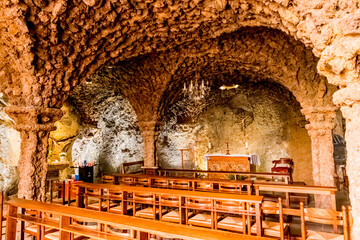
(227, 149)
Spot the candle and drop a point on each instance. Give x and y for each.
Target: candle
(246, 145)
(209, 145)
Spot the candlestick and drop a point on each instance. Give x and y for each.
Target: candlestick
(227, 149)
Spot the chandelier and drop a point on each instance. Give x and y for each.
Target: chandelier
(195, 95)
(196, 91)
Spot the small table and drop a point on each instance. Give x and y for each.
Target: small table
(150, 170)
(86, 174)
(54, 169)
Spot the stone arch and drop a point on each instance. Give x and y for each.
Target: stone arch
(255, 51)
(275, 57)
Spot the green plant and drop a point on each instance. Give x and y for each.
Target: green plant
(199, 175)
(49, 154)
(241, 178)
(231, 176)
(62, 154)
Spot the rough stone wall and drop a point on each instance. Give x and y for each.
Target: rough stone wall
(116, 138)
(9, 152)
(266, 118)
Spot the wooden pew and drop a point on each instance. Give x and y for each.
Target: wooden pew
(159, 192)
(142, 226)
(289, 188)
(285, 176)
(133, 179)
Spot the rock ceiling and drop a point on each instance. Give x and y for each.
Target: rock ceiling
(50, 46)
(154, 81)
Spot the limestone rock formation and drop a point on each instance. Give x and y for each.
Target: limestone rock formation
(263, 115)
(67, 128)
(9, 152)
(115, 140)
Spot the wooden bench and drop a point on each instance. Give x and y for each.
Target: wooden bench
(168, 182)
(284, 176)
(142, 227)
(290, 188)
(156, 193)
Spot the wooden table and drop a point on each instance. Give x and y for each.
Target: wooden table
(249, 199)
(65, 213)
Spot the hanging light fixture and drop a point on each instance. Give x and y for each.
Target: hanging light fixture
(196, 91)
(195, 95)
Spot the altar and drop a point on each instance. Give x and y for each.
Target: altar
(233, 162)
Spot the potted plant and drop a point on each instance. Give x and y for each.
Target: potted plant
(62, 157)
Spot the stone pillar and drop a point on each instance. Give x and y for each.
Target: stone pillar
(34, 125)
(349, 100)
(321, 124)
(149, 135)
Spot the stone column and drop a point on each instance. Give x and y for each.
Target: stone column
(349, 100)
(34, 125)
(321, 124)
(149, 135)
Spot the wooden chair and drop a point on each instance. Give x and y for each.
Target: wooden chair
(143, 181)
(180, 184)
(128, 181)
(232, 215)
(202, 207)
(230, 187)
(125, 166)
(2, 218)
(57, 192)
(350, 220)
(121, 233)
(286, 166)
(203, 186)
(274, 229)
(146, 203)
(72, 191)
(37, 231)
(160, 183)
(116, 202)
(32, 229)
(323, 216)
(83, 224)
(172, 204)
(108, 179)
(94, 199)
